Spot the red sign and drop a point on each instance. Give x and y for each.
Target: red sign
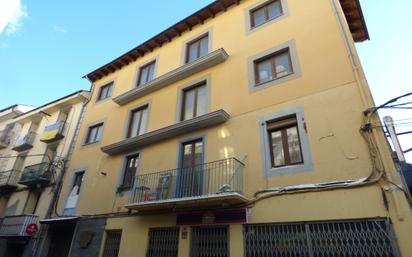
(32, 229)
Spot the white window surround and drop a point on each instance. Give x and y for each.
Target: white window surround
(248, 10)
(72, 211)
(129, 113)
(84, 143)
(98, 88)
(307, 165)
(140, 65)
(296, 72)
(207, 80)
(208, 32)
(123, 170)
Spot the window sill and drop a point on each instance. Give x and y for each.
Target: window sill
(252, 28)
(203, 63)
(289, 169)
(273, 80)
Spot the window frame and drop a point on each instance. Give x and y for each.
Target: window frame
(272, 58)
(180, 96)
(76, 172)
(267, 157)
(131, 118)
(285, 146)
(89, 130)
(265, 8)
(146, 66)
(122, 187)
(102, 88)
(250, 28)
(197, 41)
(196, 96)
(293, 59)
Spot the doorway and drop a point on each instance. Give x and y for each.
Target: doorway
(190, 171)
(61, 239)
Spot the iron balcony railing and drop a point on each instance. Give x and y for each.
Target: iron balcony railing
(208, 179)
(15, 226)
(25, 142)
(9, 178)
(54, 132)
(4, 138)
(36, 174)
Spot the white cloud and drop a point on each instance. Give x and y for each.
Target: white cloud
(12, 13)
(59, 29)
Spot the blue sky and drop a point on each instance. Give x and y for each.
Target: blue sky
(49, 45)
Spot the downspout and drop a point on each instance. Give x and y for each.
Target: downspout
(367, 102)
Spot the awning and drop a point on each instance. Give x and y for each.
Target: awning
(59, 220)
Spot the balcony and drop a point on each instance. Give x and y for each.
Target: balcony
(187, 126)
(54, 132)
(4, 138)
(210, 185)
(173, 76)
(8, 180)
(15, 226)
(39, 174)
(25, 142)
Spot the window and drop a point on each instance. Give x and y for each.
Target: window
(32, 202)
(197, 48)
(130, 170)
(112, 244)
(273, 67)
(94, 134)
(163, 242)
(146, 73)
(194, 102)
(265, 13)
(105, 92)
(74, 194)
(284, 142)
(137, 122)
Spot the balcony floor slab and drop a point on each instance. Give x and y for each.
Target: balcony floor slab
(191, 203)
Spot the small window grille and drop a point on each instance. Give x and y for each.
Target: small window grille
(209, 242)
(163, 242)
(112, 244)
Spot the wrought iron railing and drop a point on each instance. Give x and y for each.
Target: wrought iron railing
(54, 131)
(25, 142)
(36, 174)
(17, 225)
(208, 179)
(9, 178)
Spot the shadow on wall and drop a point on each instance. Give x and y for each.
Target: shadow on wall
(11, 210)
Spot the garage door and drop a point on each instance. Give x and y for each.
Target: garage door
(361, 238)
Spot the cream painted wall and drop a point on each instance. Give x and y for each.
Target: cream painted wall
(17, 200)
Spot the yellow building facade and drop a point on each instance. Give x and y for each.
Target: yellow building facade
(31, 168)
(242, 130)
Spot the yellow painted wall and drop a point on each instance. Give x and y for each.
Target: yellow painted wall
(327, 90)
